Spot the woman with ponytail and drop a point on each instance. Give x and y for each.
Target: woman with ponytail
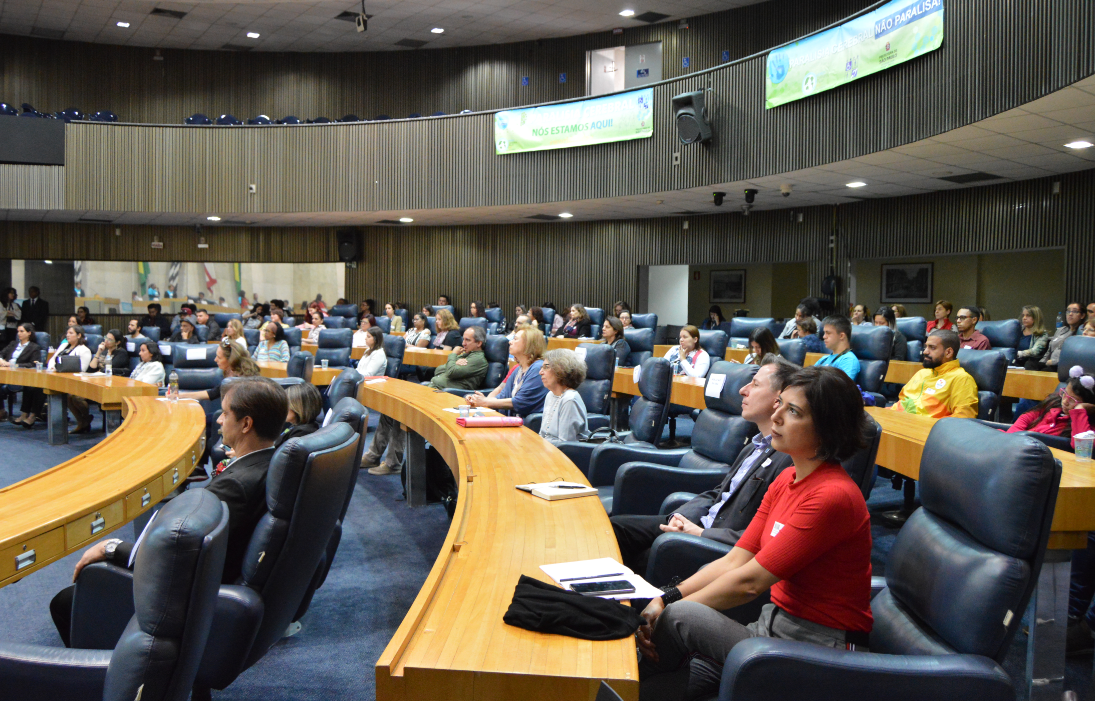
(1066, 412)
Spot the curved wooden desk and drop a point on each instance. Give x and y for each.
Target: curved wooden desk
(426, 357)
(59, 511)
(320, 377)
(453, 644)
(556, 342)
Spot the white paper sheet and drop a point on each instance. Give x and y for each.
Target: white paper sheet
(638, 373)
(195, 354)
(581, 353)
(607, 568)
(373, 382)
(131, 347)
(165, 349)
(715, 383)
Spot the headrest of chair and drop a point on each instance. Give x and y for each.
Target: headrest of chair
(152, 332)
(596, 314)
(280, 381)
(222, 318)
(1076, 350)
(655, 380)
(251, 336)
(644, 321)
(872, 342)
(1002, 334)
(299, 362)
(640, 339)
(290, 460)
(493, 315)
(914, 328)
(194, 355)
(345, 384)
(991, 484)
(349, 411)
(348, 311)
(989, 368)
(167, 561)
(443, 306)
(333, 322)
(496, 348)
(42, 339)
(92, 341)
(742, 326)
(394, 346)
(793, 349)
(292, 337)
(469, 321)
(384, 323)
(96, 329)
(737, 376)
(335, 338)
(914, 350)
(714, 342)
(600, 361)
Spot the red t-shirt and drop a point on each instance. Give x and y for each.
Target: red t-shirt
(816, 537)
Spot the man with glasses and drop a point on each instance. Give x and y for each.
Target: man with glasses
(942, 388)
(968, 335)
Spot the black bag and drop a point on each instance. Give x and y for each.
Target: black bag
(440, 484)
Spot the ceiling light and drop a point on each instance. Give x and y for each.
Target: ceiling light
(857, 183)
(437, 30)
(1078, 144)
(48, 262)
(627, 13)
(253, 35)
(123, 25)
(565, 215)
(406, 220)
(213, 218)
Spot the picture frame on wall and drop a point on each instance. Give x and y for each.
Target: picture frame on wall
(907, 283)
(728, 286)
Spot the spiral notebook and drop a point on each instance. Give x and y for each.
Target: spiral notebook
(553, 491)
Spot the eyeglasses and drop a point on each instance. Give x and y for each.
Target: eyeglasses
(1063, 393)
(962, 317)
(1073, 311)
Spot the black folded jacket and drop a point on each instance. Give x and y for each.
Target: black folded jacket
(548, 609)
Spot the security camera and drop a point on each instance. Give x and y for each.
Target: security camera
(785, 189)
(750, 196)
(719, 197)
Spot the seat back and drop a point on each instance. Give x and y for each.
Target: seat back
(644, 321)
(496, 348)
(651, 409)
(334, 322)
(384, 323)
(989, 369)
(596, 321)
(793, 349)
(92, 340)
(346, 311)
(405, 316)
(720, 431)
(152, 332)
(714, 342)
(306, 489)
(431, 324)
(860, 467)
(914, 351)
(393, 348)
(915, 328)
(176, 578)
(872, 346)
(469, 321)
(133, 347)
(350, 412)
(452, 310)
(346, 384)
(493, 315)
(641, 342)
(252, 337)
(301, 364)
(203, 332)
(1002, 334)
(596, 388)
(742, 326)
(333, 346)
(292, 339)
(93, 329)
(222, 318)
(1076, 350)
(549, 320)
(969, 558)
(189, 356)
(42, 339)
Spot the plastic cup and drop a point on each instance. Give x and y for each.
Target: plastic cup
(323, 363)
(1083, 449)
(464, 409)
(38, 366)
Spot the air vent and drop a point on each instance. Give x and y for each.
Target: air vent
(543, 217)
(173, 14)
(237, 47)
(971, 178)
(351, 16)
(47, 33)
(411, 43)
(651, 17)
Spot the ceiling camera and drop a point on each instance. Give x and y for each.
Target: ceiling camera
(719, 197)
(785, 189)
(750, 195)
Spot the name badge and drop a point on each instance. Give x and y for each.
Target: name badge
(930, 390)
(766, 463)
(776, 528)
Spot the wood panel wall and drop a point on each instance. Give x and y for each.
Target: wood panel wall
(55, 75)
(32, 187)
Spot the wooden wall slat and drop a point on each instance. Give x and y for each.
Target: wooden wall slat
(32, 187)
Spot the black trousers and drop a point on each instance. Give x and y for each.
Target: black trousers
(635, 535)
(60, 608)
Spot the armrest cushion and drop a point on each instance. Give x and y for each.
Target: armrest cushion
(41, 673)
(101, 606)
(681, 555)
(533, 421)
(460, 392)
(579, 453)
(640, 487)
(598, 422)
(608, 457)
(768, 668)
(235, 625)
(675, 501)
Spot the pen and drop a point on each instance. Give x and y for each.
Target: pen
(592, 576)
(569, 486)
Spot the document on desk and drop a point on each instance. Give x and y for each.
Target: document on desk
(553, 491)
(566, 573)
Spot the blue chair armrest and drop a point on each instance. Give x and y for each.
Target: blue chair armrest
(101, 606)
(608, 457)
(460, 392)
(533, 421)
(598, 422)
(38, 672)
(681, 555)
(640, 487)
(579, 453)
(770, 668)
(675, 501)
(235, 624)
(1058, 442)
(877, 585)
(993, 424)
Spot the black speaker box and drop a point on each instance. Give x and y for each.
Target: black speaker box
(349, 245)
(691, 116)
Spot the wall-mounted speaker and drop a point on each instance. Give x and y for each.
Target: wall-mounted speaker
(691, 116)
(349, 245)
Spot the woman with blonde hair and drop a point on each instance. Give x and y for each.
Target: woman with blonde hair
(523, 390)
(233, 331)
(1034, 341)
(233, 362)
(448, 331)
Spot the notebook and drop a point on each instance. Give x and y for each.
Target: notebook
(553, 491)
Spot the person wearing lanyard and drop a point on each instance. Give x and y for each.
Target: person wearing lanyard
(836, 333)
(688, 358)
(523, 390)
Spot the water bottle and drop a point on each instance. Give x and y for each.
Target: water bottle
(173, 386)
(1060, 319)
(109, 367)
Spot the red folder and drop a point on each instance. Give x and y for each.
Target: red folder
(489, 421)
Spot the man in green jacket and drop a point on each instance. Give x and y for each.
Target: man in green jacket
(465, 368)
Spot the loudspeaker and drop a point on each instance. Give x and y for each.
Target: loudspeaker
(691, 115)
(349, 245)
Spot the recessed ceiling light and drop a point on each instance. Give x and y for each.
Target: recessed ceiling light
(437, 30)
(857, 183)
(406, 220)
(565, 215)
(253, 35)
(627, 13)
(48, 262)
(123, 25)
(1078, 144)
(213, 218)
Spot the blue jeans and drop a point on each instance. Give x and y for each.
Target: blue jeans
(1081, 589)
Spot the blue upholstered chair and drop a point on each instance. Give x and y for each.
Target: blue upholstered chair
(291, 119)
(334, 347)
(549, 319)
(203, 332)
(915, 329)
(199, 119)
(1076, 350)
(346, 311)
(872, 345)
(161, 633)
(596, 321)
(641, 342)
(260, 120)
(252, 337)
(989, 369)
(431, 324)
(196, 366)
(228, 120)
(346, 384)
(152, 332)
(644, 321)
(222, 318)
(714, 342)
(470, 321)
(393, 349)
(93, 329)
(103, 116)
(292, 339)
(493, 315)
(742, 326)
(301, 364)
(335, 322)
(793, 349)
(1004, 336)
(449, 307)
(384, 323)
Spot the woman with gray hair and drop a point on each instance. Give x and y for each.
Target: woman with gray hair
(564, 411)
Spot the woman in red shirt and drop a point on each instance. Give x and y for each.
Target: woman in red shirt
(1066, 412)
(809, 543)
(942, 319)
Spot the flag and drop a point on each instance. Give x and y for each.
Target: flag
(173, 276)
(142, 277)
(78, 275)
(209, 279)
(239, 279)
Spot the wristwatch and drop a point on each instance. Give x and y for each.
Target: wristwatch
(110, 546)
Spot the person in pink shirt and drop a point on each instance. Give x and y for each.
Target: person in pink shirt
(1066, 412)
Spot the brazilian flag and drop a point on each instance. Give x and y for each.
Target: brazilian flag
(142, 277)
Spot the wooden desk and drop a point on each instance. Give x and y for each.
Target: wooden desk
(687, 391)
(554, 343)
(453, 644)
(109, 392)
(425, 357)
(355, 353)
(737, 354)
(62, 510)
(320, 377)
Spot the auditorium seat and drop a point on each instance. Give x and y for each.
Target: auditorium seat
(301, 364)
(714, 342)
(93, 329)
(334, 347)
(641, 485)
(872, 346)
(405, 316)
(334, 322)
(644, 321)
(320, 120)
(496, 348)
(346, 311)
(384, 323)
(1076, 350)
(163, 630)
(103, 116)
(469, 321)
(262, 119)
(793, 349)
(393, 349)
(431, 324)
(596, 389)
(346, 384)
(292, 339)
(152, 332)
(549, 319)
(199, 119)
(641, 343)
(989, 369)
(915, 329)
(71, 115)
(596, 321)
(228, 120)
(449, 307)
(494, 319)
(742, 326)
(93, 340)
(350, 118)
(196, 366)
(1004, 336)
(289, 120)
(252, 337)
(8, 110)
(203, 332)
(222, 318)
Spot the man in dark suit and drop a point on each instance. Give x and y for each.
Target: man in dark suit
(36, 310)
(252, 418)
(722, 513)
